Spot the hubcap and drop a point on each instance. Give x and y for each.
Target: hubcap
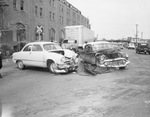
(20, 64)
(53, 67)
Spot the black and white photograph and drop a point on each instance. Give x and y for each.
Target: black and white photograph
(74, 58)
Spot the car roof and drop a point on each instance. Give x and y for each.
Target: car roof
(41, 42)
(97, 42)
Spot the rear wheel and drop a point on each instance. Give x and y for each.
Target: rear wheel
(20, 64)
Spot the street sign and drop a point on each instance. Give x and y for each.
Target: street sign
(39, 29)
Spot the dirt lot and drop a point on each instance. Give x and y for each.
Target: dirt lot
(35, 92)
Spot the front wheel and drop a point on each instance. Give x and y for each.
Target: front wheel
(20, 65)
(52, 67)
(137, 52)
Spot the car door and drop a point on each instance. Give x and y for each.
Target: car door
(36, 55)
(24, 54)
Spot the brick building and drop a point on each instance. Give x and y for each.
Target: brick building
(31, 20)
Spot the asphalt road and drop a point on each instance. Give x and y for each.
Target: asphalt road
(34, 92)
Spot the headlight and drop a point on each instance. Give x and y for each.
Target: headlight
(63, 59)
(127, 55)
(102, 57)
(105, 63)
(76, 60)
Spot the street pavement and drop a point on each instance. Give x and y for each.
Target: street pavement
(34, 92)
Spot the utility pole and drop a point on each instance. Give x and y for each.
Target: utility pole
(136, 36)
(141, 35)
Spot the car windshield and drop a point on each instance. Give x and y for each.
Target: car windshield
(101, 46)
(48, 47)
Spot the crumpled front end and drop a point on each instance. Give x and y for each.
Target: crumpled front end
(113, 59)
(68, 61)
(68, 64)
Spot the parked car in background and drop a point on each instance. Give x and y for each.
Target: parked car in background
(69, 44)
(47, 55)
(103, 54)
(131, 46)
(121, 46)
(143, 48)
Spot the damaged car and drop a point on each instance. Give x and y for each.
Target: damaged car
(46, 55)
(103, 54)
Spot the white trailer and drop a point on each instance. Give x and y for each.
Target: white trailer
(79, 33)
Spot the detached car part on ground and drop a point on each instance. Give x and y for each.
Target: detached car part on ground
(103, 55)
(47, 55)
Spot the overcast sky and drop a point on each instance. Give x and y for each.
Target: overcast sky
(114, 19)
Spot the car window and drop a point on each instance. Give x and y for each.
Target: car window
(36, 48)
(100, 46)
(51, 47)
(27, 48)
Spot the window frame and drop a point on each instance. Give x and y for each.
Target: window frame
(28, 46)
(15, 4)
(41, 12)
(36, 10)
(22, 5)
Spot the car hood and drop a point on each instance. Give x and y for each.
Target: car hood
(110, 50)
(65, 52)
(109, 53)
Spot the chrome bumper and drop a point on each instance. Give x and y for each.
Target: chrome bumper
(64, 68)
(110, 63)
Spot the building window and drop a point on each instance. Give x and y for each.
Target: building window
(50, 2)
(36, 12)
(62, 19)
(62, 8)
(50, 15)
(53, 16)
(68, 22)
(41, 12)
(22, 5)
(68, 11)
(15, 4)
(59, 7)
(52, 35)
(53, 3)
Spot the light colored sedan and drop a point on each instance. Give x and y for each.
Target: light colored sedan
(131, 46)
(47, 55)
